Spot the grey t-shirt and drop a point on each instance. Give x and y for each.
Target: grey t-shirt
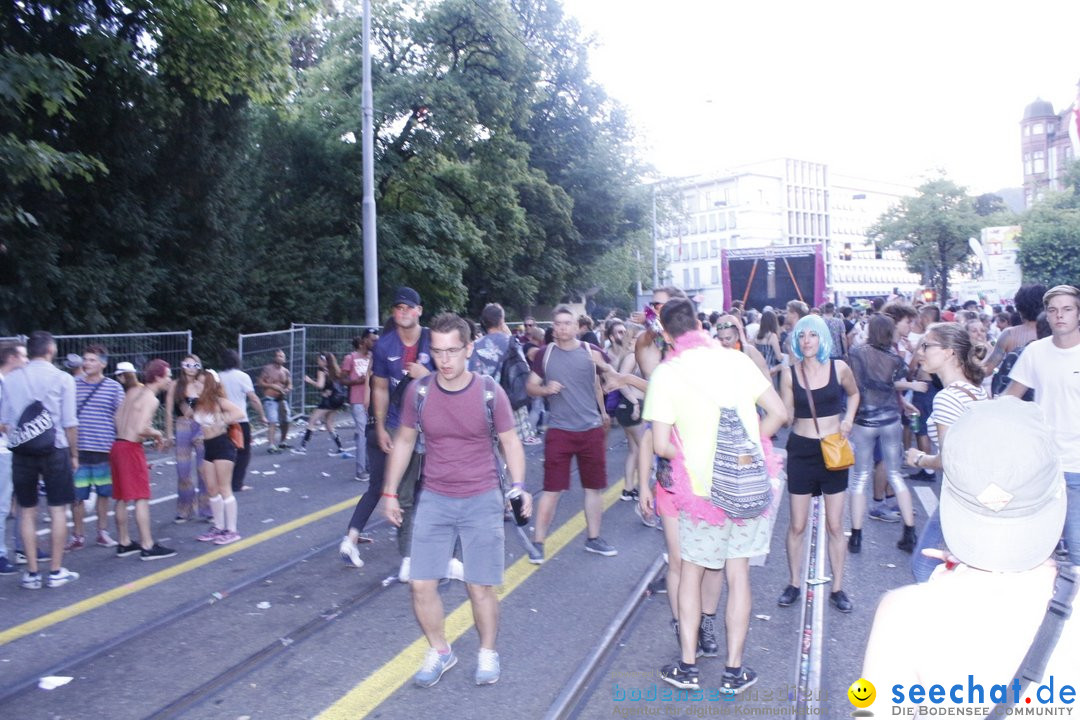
(574, 408)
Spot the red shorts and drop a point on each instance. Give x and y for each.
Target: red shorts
(560, 446)
(130, 475)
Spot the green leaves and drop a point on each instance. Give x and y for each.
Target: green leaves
(931, 230)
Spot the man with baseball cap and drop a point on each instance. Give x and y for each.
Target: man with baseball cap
(402, 354)
(1002, 511)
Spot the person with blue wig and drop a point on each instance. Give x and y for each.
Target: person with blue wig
(829, 380)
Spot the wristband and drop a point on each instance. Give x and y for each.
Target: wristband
(518, 485)
(390, 495)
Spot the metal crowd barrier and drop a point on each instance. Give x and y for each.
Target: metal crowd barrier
(257, 351)
(336, 339)
(135, 348)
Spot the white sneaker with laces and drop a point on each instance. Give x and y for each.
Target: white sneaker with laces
(487, 667)
(349, 553)
(61, 577)
(105, 540)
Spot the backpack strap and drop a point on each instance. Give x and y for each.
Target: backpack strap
(547, 356)
(1033, 666)
(489, 411)
(422, 387)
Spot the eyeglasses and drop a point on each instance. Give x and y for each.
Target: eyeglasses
(925, 345)
(191, 366)
(446, 352)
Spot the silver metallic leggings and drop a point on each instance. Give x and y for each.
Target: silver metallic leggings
(862, 440)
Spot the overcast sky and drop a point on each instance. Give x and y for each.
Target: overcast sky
(880, 89)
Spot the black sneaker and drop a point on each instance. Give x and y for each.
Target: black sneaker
(841, 601)
(125, 550)
(628, 495)
(706, 634)
(673, 674)
(157, 552)
(789, 596)
(735, 684)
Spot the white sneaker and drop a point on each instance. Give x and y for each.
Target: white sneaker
(349, 553)
(403, 572)
(455, 570)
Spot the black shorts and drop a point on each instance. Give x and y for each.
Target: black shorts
(54, 468)
(807, 474)
(219, 448)
(624, 413)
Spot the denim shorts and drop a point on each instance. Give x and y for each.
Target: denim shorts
(442, 520)
(270, 407)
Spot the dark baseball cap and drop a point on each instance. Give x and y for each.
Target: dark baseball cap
(406, 296)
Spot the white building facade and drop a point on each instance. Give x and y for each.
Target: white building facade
(777, 203)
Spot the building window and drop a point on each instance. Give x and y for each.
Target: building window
(720, 223)
(697, 277)
(693, 251)
(701, 226)
(712, 222)
(730, 221)
(686, 277)
(713, 248)
(1027, 163)
(1027, 130)
(715, 275)
(1038, 129)
(1039, 164)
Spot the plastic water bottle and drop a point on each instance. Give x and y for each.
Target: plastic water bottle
(916, 422)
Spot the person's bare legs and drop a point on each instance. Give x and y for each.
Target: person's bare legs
(28, 530)
(594, 511)
(834, 522)
(545, 513)
(123, 535)
(737, 616)
(674, 565)
(690, 610)
(142, 522)
(429, 612)
(485, 607)
(796, 536)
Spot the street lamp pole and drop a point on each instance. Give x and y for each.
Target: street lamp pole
(367, 149)
(655, 250)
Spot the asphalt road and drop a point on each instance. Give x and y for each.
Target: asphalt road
(278, 627)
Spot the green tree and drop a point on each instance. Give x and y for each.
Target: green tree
(1050, 235)
(931, 230)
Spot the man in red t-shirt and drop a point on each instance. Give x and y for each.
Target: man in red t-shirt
(462, 497)
(355, 371)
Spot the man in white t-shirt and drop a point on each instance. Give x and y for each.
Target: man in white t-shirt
(1051, 367)
(241, 392)
(959, 639)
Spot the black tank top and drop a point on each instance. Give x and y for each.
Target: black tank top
(827, 400)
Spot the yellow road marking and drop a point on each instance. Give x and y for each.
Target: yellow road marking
(385, 681)
(92, 603)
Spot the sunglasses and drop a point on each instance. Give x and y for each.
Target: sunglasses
(725, 326)
(191, 366)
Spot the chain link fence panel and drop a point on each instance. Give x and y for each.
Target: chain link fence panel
(257, 351)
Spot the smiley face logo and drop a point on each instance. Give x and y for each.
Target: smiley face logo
(861, 693)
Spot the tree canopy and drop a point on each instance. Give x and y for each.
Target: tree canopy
(931, 230)
(187, 164)
(1050, 236)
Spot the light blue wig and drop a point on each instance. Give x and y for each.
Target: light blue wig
(815, 324)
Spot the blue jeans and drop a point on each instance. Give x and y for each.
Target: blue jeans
(1072, 516)
(932, 537)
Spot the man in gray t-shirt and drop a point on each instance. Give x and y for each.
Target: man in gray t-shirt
(565, 373)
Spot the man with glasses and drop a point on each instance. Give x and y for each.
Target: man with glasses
(462, 498)
(1051, 367)
(565, 373)
(401, 355)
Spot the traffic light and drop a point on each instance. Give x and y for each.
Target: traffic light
(846, 255)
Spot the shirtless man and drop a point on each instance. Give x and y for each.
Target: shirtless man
(130, 475)
(276, 384)
(1029, 305)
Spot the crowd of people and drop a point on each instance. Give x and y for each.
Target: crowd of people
(442, 415)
